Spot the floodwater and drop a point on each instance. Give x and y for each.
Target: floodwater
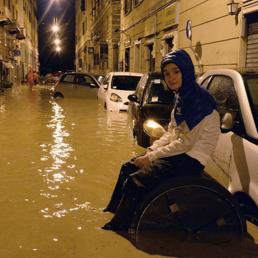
(59, 161)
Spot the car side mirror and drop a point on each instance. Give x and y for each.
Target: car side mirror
(93, 85)
(133, 97)
(227, 122)
(105, 86)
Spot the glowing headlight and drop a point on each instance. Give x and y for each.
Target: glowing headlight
(114, 97)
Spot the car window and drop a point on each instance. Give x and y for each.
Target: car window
(121, 82)
(68, 78)
(84, 80)
(141, 86)
(106, 79)
(251, 83)
(206, 81)
(222, 89)
(158, 93)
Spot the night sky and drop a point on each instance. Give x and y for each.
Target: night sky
(63, 11)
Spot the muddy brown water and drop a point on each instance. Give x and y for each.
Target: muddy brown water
(59, 161)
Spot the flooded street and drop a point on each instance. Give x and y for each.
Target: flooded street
(59, 162)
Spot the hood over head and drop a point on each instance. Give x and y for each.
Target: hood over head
(194, 102)
(184, 62)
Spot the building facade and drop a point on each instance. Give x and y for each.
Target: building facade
(220, 38)
(214, 36)
(18, 38)
(97, 35)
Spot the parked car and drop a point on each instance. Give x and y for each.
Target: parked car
(151, 100)
(74, 84)
(234, 163)
(50, 79)
(115, 88)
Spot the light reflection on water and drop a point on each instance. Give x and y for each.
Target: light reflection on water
(58, 165)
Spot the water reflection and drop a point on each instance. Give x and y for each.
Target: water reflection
(58, 165)
(59, 151)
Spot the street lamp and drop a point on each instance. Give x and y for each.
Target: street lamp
(58, 49)
(57, 41)
(55, 28)
(126, 34)
(233, 8)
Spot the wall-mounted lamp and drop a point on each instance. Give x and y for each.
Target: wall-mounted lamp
(233, 8)
(128, 42)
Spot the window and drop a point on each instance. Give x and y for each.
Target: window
(136, 2)
(159, 93)
(68, 78)
(170, 44)
(104, 51)
(83, 28)
(251, 83)
(127, 6)
(84, 80)
(222, 89)
(125, 82)
(141, 86)
(83, 5)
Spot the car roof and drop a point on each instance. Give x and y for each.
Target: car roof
(125, 74)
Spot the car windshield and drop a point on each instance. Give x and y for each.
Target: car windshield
(159, 93)
(122, 82)
(251, 83)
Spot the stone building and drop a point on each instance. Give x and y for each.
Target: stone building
(18, 38)
(149, 29)
(214, 36)
(97, 35)
(220, 38)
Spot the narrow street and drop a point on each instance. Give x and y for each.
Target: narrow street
(59, 162)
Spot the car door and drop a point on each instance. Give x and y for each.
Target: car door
(85, 87)
(222, 89)
(66, 85)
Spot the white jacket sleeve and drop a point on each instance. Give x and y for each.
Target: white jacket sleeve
(201, 139)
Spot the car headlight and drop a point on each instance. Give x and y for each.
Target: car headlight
(114, 97)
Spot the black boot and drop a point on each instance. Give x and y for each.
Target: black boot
(127, 169)
(123, 216)
(126, 208)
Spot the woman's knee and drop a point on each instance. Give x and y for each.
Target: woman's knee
(127, 169)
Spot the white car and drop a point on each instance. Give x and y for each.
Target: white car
(115, 89)
(235, 161)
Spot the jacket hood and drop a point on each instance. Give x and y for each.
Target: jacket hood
(183, 61)
(194, 102)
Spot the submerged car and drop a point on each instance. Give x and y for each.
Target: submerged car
(115, 88)
(151, 100)
(73, 84)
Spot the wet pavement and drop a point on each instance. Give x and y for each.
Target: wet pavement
(59, 162)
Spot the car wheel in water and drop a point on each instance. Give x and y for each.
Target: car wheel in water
(58, 95)
(196, 208)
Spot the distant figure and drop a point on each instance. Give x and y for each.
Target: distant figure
(35, 77)
(30, 78)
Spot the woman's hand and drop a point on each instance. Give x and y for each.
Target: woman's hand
(142, 161)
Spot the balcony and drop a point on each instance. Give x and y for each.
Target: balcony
(13, 28)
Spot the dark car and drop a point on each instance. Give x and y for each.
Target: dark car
(151, 100)
(74, 84)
